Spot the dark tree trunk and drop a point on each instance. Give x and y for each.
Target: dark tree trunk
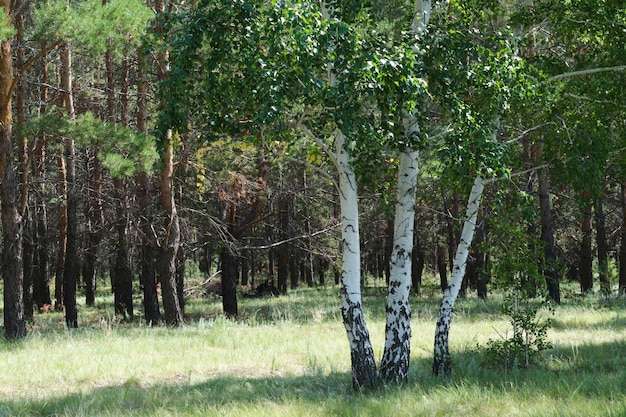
(322, 266)
(481, 259)
(293, 271)
(471, 270)
(254, 266)
(170, 242)
(180, 277)
(244, 263)
(585, 269)
(603, 249)
(417, 263)
(622, 249)
(530, 150)
(148, 278)
(237, 231)
(307, 270)
(166, 263)
(24, 168)
(12, 263)
(41, 289)
(123, 288)
(388, 250)
(94, 214)
(89, 268)
(229, 283)
(166, 271)
(71, 269)
(29, 263)
(271, 254)
(283, 249)
(550, 269)
(452, 229)
(61, 254)
(148, 275)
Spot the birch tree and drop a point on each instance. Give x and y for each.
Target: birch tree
(441, 361)
(312, 69)
(396, 355)
(481, 80)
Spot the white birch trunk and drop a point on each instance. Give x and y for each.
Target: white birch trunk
(441, 361)
(396, 356)
(361, 350)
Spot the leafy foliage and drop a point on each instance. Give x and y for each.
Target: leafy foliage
(515, 266)
(245, 69)
(479, 81)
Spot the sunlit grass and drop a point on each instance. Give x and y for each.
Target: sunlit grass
(288, 356)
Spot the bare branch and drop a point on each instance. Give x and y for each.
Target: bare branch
(291, 239)
(526, 132)
(315, 168)
(586, 72)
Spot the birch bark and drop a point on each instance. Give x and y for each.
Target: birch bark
(361, 350)
(396, 356)
(395, 362)
(441, 362)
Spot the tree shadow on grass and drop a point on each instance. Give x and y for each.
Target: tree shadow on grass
(218, 395)
(587, 369)
(590, 372)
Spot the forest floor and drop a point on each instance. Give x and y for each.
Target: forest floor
(289, 356)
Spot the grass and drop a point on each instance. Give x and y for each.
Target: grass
(288, 356)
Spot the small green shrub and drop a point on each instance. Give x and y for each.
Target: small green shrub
(528, 340)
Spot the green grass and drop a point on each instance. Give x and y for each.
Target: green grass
(288, 356)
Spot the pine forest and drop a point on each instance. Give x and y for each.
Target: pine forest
(165, 163)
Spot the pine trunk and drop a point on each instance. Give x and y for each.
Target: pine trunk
(148, 275)
(397, 353)
(94, 215)
(283, 249)
(229, 283)
(622, 249)
(418, 263)
(549, 266)
(41, 289)
(123, 287)
(441, 362)
(550, 269)
(603, 249)
(12, 265)
(481, 259)
(28, 247)
(585, 268)
(71, 269)
(166, 262)
(62, 230)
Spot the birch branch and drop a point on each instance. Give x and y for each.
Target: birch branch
(591, 71)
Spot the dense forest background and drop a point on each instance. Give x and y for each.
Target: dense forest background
(140, 141)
